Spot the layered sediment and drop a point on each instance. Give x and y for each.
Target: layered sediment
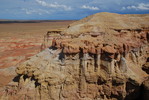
(101, 57)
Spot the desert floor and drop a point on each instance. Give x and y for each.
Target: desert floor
(19, 41)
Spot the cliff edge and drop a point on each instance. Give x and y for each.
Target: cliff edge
(100, 57)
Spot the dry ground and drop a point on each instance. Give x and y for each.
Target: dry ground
(30, 29)
(19, 41)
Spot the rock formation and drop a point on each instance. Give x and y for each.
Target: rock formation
(14, 50)
(100, 57)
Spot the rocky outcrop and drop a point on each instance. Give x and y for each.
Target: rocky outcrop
(48, 37)
(146, 66)
(100, 62)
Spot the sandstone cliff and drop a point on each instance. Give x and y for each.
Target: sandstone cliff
(100, 57)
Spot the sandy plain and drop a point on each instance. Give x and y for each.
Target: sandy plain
(21, 39)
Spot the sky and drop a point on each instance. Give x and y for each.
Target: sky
(68, 9)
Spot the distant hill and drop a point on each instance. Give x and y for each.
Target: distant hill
(29, 21)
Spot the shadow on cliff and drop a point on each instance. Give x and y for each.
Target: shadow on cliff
(52, 48)
(134, 92)
(17, 78)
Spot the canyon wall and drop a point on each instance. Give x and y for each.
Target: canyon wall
(91, 60)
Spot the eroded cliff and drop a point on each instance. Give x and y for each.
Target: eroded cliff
(98, 58)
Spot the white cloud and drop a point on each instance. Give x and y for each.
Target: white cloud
(123, 8)
(89, 7)
(140, 6)
(53, 5)
(35, 11)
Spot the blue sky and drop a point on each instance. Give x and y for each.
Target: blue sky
(68, 9)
